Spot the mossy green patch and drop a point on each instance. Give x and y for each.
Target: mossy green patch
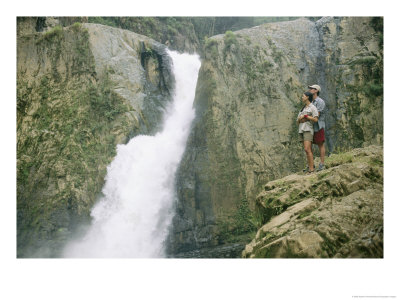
(64, 137)
(339, 159)
(242, 221)
(54, 33)
(230, 40)
(211, 48)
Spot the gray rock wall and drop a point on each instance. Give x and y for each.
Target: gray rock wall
(352, 69)
(247, 98)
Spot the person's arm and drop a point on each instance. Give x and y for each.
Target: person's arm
(320, 105)
(299, 118)
(315, 114)
(311, 118)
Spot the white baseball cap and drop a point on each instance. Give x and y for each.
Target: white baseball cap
(315, 86)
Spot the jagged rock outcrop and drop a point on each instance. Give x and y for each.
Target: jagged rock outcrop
(337, 212)
(81, 90)
(247, 97)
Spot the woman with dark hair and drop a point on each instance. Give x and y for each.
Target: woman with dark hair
(305, 119)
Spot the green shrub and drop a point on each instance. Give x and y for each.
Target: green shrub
(373, 89)
(210, 46)
(209, 43)
(55, 32)
(76, 27)
(230, 39)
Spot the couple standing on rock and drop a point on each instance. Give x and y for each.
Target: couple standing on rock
(311, 121)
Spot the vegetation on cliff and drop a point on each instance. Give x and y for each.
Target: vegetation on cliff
(354, 81)
(184, 33)
(77, 99)
(65, 119)
(73, 107)
(246, 100)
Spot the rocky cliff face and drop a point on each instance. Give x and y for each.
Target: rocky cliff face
(337, 212)
(352, 75)
(81, 90)
(84, 88)
(247, 97)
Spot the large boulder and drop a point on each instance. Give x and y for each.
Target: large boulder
(337, 212)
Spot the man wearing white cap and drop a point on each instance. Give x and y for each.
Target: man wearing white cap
(319, 127)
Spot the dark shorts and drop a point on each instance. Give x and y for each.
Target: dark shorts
(319, 136)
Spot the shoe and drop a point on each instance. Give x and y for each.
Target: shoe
(310, 172)
(307, 169)
(321, 167)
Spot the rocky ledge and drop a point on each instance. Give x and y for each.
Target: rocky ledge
(337, 212)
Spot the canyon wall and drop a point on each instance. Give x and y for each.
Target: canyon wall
(81, 90)
(84, 88)
(247, 99)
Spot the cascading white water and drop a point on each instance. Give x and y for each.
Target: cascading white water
(133, 217)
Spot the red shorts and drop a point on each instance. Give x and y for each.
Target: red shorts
(319, 136)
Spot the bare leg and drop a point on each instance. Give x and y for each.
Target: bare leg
(310, 158)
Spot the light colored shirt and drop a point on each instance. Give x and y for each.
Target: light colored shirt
(310, 110)
(320, 105)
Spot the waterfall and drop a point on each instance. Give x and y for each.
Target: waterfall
(133, 216)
